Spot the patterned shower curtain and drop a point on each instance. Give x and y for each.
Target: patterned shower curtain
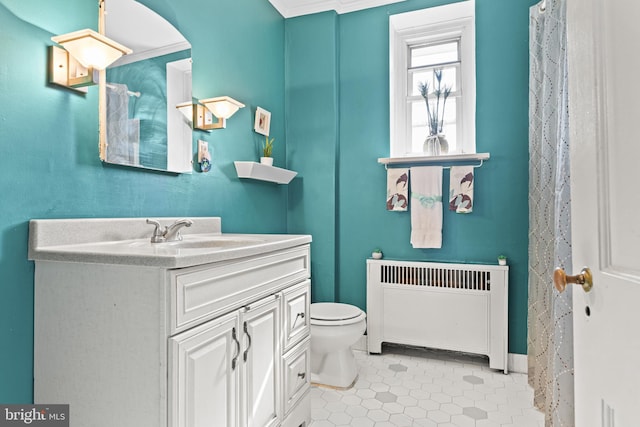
(550, 320)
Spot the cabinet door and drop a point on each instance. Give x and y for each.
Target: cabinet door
(206, 362)
(261, 364)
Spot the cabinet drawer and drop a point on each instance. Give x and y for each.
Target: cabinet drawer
(297, 373)
(296, 314)
(202, 293)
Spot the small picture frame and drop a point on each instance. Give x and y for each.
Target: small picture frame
(262, 122)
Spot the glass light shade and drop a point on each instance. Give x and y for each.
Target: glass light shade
(91, 49)
(222, 107)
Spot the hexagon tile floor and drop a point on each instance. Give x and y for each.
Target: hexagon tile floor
(417, 387)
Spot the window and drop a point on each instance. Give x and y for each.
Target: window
(434, 47)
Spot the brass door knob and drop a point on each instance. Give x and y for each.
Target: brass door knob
(585, 279)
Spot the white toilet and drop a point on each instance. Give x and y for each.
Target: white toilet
(335, 327)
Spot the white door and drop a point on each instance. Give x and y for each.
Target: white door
(604, 99)
(261, 361)
(205, 375)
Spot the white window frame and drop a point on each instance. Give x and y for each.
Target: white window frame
(432, 25)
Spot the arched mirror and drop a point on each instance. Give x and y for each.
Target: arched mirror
(140, 124)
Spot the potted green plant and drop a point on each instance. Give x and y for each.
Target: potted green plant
(435, 143)
(502, 260)
(267, 149)
(376, 253)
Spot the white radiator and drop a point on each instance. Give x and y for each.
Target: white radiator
(459, 307)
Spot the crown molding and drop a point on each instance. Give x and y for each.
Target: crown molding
(293, 8)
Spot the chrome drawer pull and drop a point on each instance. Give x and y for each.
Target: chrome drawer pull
(235, 358)
(298, 316)
(246, 352)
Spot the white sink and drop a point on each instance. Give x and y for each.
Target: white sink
(128, 241)
(198, 242)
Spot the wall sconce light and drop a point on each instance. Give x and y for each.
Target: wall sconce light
(222, 107)
(84, 51)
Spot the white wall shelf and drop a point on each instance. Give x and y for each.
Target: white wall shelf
(436, 160)
(253, 170)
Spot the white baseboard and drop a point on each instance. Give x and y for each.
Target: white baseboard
(517, 362)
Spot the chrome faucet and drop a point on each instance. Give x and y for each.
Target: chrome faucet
(170, 233)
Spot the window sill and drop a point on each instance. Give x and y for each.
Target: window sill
(425, 160)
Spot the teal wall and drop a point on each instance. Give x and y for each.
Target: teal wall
(312, 141)
(328, 74)
(499, 222)
(49, 165)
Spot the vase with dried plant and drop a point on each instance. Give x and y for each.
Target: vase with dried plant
(436, 143)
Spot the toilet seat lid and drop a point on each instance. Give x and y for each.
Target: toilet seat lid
(334, 311)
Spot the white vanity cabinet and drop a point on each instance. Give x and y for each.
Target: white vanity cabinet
(221, 344)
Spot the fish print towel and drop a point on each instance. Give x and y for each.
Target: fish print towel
(461, 189)
(426, 207)
(397, 189)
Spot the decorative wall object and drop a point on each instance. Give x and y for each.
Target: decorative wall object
(262, 122)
